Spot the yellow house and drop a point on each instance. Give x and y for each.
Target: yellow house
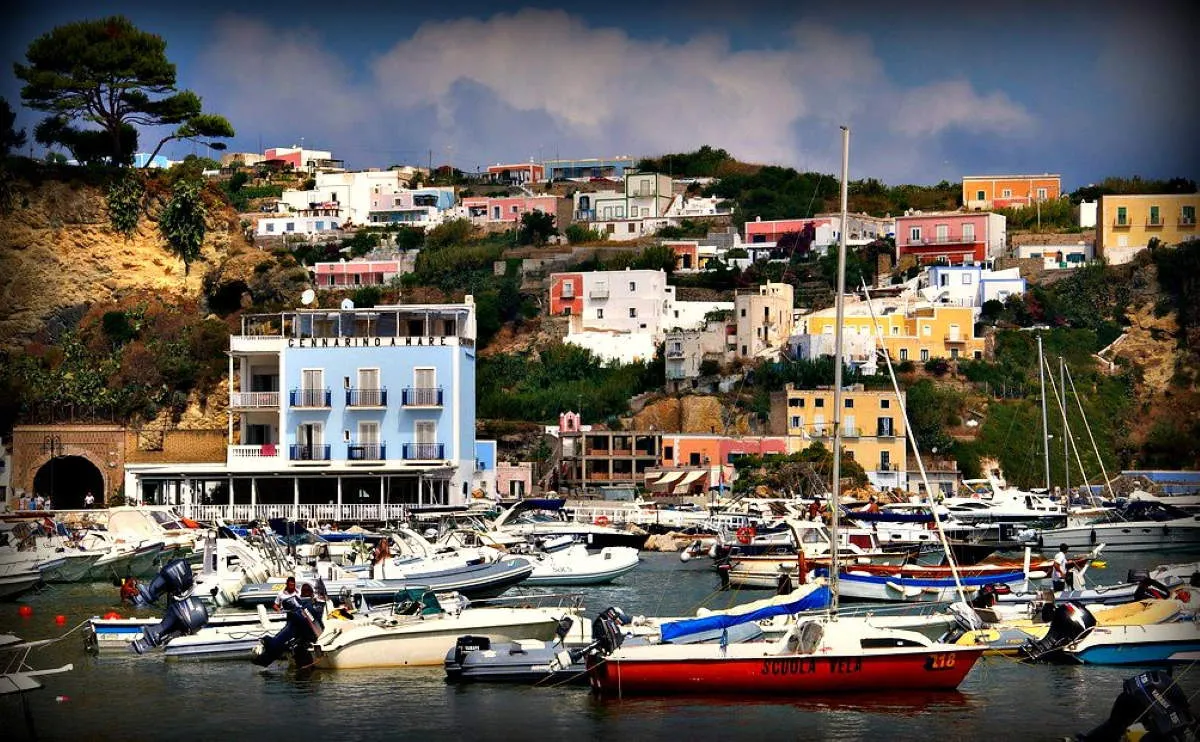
(872, 427)
(922, 333)
(1125, 224)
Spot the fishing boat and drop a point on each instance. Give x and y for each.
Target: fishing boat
(575, 565)
(820, 655)
(419, 631)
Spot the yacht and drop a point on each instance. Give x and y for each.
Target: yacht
(1140, 525)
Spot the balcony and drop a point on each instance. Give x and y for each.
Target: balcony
(310, 398)
(255, 400)
(308, 452)
(423, 451)
(885, 433)
(885, 466)
(948, 239)
(675, 353)
(1187, 221)
(848, 432)
(598, 291)
(955, 340)
(366, 452)
(356, 397)
(1154, 221)
(421, 396)
(1122, 222)
(255, 456)
(585, 215)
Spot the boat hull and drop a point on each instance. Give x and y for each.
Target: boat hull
(74, 567)
(781, 675)
(1123, 537)
(1137, 645)
(422, 643)
(15, 584)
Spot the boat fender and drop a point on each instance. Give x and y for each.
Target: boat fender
(745, 534)
(601, 520)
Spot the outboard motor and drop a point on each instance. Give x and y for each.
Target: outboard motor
(1149, 588)
(1070, 622)
(297, 635)
(606, 629)
(464, 646)
(182, 617)
(175, 579)
(986, 597)
(1155, 701)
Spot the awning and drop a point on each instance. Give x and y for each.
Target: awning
(692, 477)
(667, 478)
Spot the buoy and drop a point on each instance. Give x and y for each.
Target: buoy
(25, 611)
(61, 699)
(685, 555)
(60, 619)
(112, 615)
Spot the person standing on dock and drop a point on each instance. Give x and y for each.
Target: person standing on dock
(1061, 569)
(89, 500)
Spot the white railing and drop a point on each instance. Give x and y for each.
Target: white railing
(251, 457)
(256, 399)
(321, 513)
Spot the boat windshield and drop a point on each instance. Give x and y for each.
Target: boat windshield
(416, 601)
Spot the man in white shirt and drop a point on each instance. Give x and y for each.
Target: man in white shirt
(89, 500)
(1061, 569)
(287, 597)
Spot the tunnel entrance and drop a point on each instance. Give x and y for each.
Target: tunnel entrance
(67, 479)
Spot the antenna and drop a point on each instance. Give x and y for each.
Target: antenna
(307, 297)
(347, 303)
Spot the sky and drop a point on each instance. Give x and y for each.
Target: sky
(930, 89)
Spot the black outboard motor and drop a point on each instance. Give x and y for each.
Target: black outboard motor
(986, 597)
(182, 617)
(1070, 622)
(1155, 701)
(606, 629)
(299, 631)
(1149, 588)
(174, 580)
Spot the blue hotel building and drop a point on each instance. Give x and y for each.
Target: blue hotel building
(350, 414)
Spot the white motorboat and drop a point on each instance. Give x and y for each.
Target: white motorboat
(991, 501)
(1139, 526)
(17, 578)
(419, 631)
(139, 524)
(544, 518)
(575, 565)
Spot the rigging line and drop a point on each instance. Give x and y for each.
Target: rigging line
(912, 439)
(1070, 438)
(1088, 428)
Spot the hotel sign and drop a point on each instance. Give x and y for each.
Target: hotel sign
(366, 342)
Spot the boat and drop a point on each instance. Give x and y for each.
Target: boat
(864, 586)
(419, 631)
(819, 655)
(989, 500)
(1140, 525)
(18, 676)
(16, 579)
(544, 518)
(47, 546)
(1075, 637)
(474, 581)
(114, 632)
(575, 565)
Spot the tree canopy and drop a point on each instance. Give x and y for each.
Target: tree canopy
(110, 74)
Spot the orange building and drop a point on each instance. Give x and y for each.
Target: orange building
(983, 192)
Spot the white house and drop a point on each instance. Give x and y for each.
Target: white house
(970, 285)
(352, 191)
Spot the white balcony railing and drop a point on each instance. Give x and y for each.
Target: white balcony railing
(256, 400)
(324, 513)
(252, 457)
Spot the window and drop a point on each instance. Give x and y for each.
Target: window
(320, 225)
(744, 350)
(924, 354)
(796, 421)
(849, 403)
(818, 402)
(425, 432)
(885, 460)
(368, 380)
(568, 290)
(599, 314)
(1122, 216)
(331, 280)
(904, 354)
(632, 287)
(743, 311)
(966, 279)
(1153, 220)
(357, 279)
(980, 196)
(885, 404)
(290, 227)
(926, 329)
(1189, 215)
(796, 402)
(943, 232)
(968, 231)
(632, 228)
(1041, 194)
(694, 459)
(1006, 193)
(668, 452)
(270, 227)
(515, 210)
(610, 228)
(914, 234)
(633, 312)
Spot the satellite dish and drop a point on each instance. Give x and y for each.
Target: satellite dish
(347, 304)
(307, 297)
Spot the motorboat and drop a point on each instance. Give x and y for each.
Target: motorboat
(575, 565)
(46, 546)
(419, 631)
(989, 500)
(18, 676)
(544, 517)
(486, 580)
(1075, 637)
(16, 579)
(1141, 525)
(138, 524)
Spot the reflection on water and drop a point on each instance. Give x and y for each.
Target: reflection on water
(124, 697)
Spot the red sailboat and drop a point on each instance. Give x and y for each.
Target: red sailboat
(825, 655)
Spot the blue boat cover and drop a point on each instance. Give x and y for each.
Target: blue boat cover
(1007, 577)
(815, 600)
(884, 516)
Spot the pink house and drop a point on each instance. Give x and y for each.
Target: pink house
(525, 172)
(770, 231)
(487, 210)
(951, 237)
(352, 273)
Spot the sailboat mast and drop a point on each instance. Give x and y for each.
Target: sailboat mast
(835, 509)
(1062, 384)
(1045, 430)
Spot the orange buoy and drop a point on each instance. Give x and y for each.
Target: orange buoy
(112, 615)
(60, 619)
(25, 611)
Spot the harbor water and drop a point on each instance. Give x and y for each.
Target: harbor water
(120, 696)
